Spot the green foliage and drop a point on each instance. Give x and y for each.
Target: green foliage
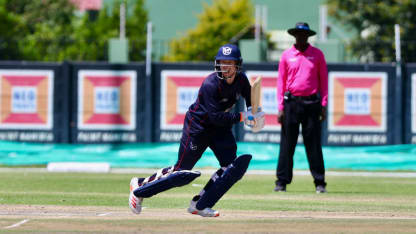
(48, 30)
(92, 36)
(374, 21)
(217, 25)
(47, 27)
(11, 29)
(136, 30)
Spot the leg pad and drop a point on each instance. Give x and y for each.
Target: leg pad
(174, 179)
(222, 184)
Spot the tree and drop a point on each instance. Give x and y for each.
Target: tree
(374, 21)
(136, 27)
(9, 36)
(48, 30)
(90, 40)
(30, 29)
(217, 25)
(92, 36)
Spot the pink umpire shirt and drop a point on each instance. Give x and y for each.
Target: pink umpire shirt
(303, 74)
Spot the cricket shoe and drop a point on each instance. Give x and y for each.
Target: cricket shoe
(192, 206)
(207, 212)
(135, 203)
(134, 183)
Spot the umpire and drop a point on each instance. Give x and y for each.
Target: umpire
(302, 94)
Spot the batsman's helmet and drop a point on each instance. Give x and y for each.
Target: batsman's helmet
(227, 52)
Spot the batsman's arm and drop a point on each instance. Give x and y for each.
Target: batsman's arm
(211, 106)
(246, 90)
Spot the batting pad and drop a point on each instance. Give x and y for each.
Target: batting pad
(229, 177)
(174, 179)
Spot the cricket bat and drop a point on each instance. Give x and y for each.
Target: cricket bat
(255, 94)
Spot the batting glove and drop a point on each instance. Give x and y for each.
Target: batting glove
(248, 118)
(260, 121)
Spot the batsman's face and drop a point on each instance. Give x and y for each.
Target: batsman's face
(229, 69)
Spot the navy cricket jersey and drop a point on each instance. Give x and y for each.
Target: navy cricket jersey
(215, 99)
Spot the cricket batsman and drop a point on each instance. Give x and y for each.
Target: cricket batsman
(208, 123)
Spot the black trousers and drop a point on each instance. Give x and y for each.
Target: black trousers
(307, 114)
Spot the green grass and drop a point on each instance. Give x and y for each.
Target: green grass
(354, 204)
(253, 192)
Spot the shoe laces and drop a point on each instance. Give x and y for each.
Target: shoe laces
(209, 210)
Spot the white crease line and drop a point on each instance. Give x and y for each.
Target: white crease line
(104, 214)
(17, 224)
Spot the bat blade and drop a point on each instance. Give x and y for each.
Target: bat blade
(255, 94)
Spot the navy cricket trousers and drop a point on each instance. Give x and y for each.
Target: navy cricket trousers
(220, 140)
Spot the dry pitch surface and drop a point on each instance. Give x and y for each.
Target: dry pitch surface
(55, 219)
(400, 217)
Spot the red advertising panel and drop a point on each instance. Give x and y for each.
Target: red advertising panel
(413, 103)
(26, 99)
(106, 100)
(268, 100)
(179, 89)
(357, 102)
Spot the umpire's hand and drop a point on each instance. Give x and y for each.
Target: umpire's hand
(280, 117)
(323, 114)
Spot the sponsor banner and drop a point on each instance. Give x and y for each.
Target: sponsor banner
(357, 108)
(179, 89)
(106, 101)
(413, 108)
(413, 103)
(105, 136)
(26, 100)
(357, 139)
(170, 136)
(357, 102)
(268, 102)
(29, 136)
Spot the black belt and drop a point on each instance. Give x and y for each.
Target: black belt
(302, 98)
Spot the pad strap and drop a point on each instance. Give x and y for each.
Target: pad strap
(162, 182)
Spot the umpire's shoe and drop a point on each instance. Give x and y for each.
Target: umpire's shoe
(320, 189)
(135, 203)
(280, 188)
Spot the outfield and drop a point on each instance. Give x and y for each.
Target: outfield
(78, 203)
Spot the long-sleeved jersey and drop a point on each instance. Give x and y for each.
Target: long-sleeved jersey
(215, 98)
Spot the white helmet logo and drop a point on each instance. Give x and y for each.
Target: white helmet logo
(226, 50)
